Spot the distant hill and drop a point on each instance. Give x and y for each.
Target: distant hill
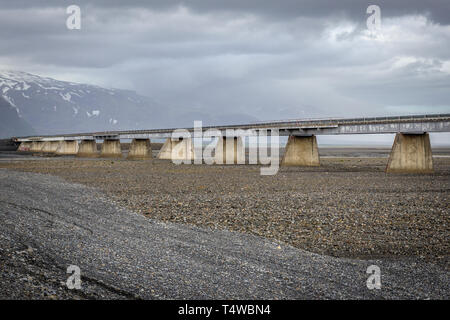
(51, 106)
(10, 122)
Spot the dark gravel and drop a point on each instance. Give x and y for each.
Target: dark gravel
(348, 207)
(47, 224)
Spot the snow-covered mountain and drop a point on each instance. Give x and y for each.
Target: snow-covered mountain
(53, 106)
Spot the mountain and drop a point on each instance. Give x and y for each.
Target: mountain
(10, 122)
(52, 106)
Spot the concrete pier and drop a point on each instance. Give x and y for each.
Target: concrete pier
(301, 151)
(67, 147)
(411, 153)
(50, 146)
(140, 149)
(87, 149)
(181, 149)
(166, 150)
(36, 146)
(230, 150)
(111, 149)
(24, 146)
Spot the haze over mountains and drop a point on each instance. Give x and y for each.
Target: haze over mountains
(32, 104)
(10, 122)
(35, 105)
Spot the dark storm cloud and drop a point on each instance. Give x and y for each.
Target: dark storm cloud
(438, 10)
(268, 59)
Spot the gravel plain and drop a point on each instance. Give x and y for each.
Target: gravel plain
(348, 207)
(48, 224)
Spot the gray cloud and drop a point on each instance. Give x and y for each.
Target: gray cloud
(267, 59)
(437, 10)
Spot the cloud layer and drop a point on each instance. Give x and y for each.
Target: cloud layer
(267, 59)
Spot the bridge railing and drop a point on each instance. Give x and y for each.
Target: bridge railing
(269, 124)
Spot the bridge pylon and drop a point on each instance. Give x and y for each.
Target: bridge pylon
(140, 149)
(181, 149)
(67, 147)
(230, 150)
(301, 151)
(50, 146)
(36, 146)
(111, 149)
(87, 149)
(24, 146)
(411, 153)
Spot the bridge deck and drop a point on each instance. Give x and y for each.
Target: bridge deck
(374, 125)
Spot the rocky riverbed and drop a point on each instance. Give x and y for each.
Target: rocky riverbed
(348, 207)
(48, 225)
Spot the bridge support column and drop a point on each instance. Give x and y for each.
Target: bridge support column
(67, 147)
(181, 149)
(36, 146)
(50, 146)
(301, 151)
(140, 149)
(24, 146)
(411, 153)
(230, 150)
(166, 150)
(111, 149)
(87, 149)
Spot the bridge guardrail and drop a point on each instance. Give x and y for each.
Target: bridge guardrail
(297, 123)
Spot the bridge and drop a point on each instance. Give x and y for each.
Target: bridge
(411, 150)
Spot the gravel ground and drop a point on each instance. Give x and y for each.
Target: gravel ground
(48, 224)
(348, 207)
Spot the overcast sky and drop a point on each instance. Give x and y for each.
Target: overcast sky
(269, 59)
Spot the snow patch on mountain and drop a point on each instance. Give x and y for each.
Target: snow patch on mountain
(66, 96)
(11, 102)
(54, 106)
(94, 113)
(10, 123)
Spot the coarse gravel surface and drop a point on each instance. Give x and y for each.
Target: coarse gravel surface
(347, 207)
(48, 224)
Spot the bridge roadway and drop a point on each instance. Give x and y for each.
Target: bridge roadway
(411, 151)
(375, 125)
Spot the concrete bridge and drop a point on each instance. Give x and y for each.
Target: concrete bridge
(411, 150)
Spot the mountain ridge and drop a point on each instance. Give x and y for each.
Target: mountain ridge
(61, 106)
(53, 106)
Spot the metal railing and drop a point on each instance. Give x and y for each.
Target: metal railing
(295, 123)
